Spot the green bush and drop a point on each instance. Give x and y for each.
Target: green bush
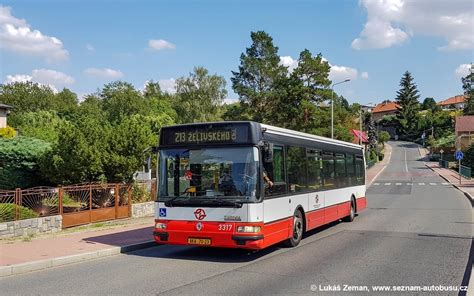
(140, 194)
(468, 159)
(53, 201)
(7, 212)
(384, 136)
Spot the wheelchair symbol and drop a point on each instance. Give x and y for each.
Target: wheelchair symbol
(162, 212)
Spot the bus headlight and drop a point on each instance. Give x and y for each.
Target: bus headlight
(160, 225)
(248, 228)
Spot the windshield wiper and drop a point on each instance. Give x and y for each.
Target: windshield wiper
(169, 203)
(227, 202)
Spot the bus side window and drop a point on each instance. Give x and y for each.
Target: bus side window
(350, 168)
(329, 171)
(276, 173)
(360, 172)
(296, 164)
(315, 166)
(341, 177)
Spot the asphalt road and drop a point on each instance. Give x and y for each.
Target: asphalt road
(416, 231)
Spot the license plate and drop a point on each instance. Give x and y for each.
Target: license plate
(199, 241)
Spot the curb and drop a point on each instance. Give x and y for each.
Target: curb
(16, 269)
(468, 195)
(384, 166)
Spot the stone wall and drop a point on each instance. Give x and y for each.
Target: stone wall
(32, 226)
(144, 209)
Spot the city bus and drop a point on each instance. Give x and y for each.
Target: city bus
(249, 185)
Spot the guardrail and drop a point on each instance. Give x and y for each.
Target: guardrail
(444, 164)
(370, 163)
(465, 172)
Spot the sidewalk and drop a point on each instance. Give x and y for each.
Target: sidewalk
(452, 177)
(17, 256)
(377, 169)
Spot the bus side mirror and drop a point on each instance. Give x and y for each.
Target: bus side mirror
(268, 152)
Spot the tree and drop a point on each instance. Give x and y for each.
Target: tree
(384, 137)
(468, 159)
(43, 125)
(27, 96)
(65, 102)
(467, 83)
(120, 99)
(407, 99)
(200, 96)
(19, 162)
(430, 104)
(371, 131)
(257, 77)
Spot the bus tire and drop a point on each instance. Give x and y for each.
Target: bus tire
(352, 212)
(298, 230)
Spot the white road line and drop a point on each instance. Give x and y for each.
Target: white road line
(421, 183)
(388, 162)
(432, 183)
(398, 184)
(386, 184)
(376, 184)
(445, 183)
(410, 184)
(406, 165)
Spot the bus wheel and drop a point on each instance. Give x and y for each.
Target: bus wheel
(298, 229)
(351, 216)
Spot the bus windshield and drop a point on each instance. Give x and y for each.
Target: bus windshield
(194, 175)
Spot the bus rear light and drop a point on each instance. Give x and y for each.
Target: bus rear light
(160, 225)
(249, 229)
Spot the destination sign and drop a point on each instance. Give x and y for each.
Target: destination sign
(210, 134)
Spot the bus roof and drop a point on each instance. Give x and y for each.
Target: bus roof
(247, 132)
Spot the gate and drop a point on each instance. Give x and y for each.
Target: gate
(83, 204)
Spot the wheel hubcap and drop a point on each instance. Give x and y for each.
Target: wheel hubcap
(298, 227)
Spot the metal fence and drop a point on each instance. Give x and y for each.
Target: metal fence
(465, 172)
(444, 163)
(78, 204)
(370, 163)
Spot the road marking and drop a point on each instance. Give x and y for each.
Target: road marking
(398, 184)
(376, 184)
(386, 184)
(406, 162)
(432, 183)
(409, 184)
(445, 183)
(421, 183)
(386, 165)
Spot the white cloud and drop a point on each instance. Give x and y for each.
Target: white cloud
(104, 73)
(335, 74)
(17, 78)
(289, 62)
(393, 22)
(168, 85)
(339, 73)
(54, 79)
(159, 44)
(89, 47)
(462, 70)
(17, 36)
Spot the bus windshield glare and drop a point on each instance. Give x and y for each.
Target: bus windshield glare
(191, 175)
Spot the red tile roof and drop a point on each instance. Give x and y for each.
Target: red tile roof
(385, 107)
(360, 135)
(453, 100)
(465, 123)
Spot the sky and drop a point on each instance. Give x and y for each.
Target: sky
(82, 45)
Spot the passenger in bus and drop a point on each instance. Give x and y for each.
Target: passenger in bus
(226, 182)
(268, 182)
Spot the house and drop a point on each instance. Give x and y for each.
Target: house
(456, 102)
(464, 131)
(383, 109)
(4, 110)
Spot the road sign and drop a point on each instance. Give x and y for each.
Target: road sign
(459, 155)
(441, 151)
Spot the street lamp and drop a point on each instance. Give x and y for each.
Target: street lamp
(360, 120)
(332, 105)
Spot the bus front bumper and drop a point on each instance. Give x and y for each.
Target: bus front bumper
(184, 233)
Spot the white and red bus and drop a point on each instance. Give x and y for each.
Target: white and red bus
(251, 185)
